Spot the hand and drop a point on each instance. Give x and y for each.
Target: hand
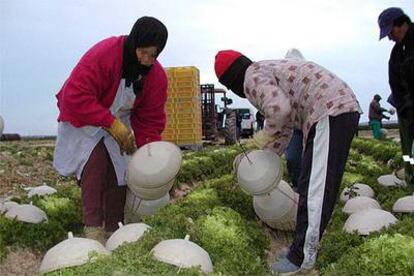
(262, 138)
(391, 111)
(123, 136)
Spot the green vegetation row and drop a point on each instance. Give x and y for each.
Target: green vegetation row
(217, 215)
(384, 252)
(64, 207)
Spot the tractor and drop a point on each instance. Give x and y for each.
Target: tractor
(226, 122)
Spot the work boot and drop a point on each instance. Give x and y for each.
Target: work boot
(284, 267)
(94, 233)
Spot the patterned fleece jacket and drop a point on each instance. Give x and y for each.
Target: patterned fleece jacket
(295, 94)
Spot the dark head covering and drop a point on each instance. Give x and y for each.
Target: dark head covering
(146, 32)
(230, 67)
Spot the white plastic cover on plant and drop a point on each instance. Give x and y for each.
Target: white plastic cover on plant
(404, 205)
(278, 208)
(40, 190)
(153, 168)
(357, 189)
(369, 220)
(27, 213)
(390, 180)
(136, 208)
(70, 252)
(126, 233)
(360, 203)
(183, 253)
(259, 172)
(5, 206)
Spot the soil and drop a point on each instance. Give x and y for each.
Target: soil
(20, 262)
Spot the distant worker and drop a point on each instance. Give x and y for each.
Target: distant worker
(299, 94)
(375, 116)
(260, 120)
(112, 103)
(397, 26)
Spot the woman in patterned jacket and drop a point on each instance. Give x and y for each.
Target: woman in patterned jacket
(299, 94)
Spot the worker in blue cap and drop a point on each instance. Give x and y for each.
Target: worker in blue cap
(397, 26)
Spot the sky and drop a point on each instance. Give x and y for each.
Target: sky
(42, 40)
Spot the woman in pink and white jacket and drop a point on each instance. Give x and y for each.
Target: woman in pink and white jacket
(112, 103)
(299, 94)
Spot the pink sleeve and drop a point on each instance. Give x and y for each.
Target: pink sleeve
(276, 106)
(79, 97)
(149, 118)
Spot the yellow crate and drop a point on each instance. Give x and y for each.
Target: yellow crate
(177, 122)
(193, 125)
(193, 99)
(188, 105)
(169, 131)
(184, 84)
(188, 141)
(187, 132)
(183, 71)
(181, 116)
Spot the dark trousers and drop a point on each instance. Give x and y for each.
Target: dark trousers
(406, 137)
(323, 164)
(102, 199)
(293, 154)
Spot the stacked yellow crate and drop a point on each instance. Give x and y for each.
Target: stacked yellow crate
(183, 106)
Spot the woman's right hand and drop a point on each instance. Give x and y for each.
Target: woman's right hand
(123, 136)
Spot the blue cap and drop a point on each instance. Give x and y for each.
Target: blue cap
(386, 20)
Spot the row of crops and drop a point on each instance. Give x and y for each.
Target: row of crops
(219, 216)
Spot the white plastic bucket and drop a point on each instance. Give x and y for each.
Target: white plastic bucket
(278, 208)
(153, 168)
(259, 172)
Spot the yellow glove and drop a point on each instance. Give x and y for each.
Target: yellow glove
(123, 136)
(262, 138)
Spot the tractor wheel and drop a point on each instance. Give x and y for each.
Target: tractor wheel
(230, 128)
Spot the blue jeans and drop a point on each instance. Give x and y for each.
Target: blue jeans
(293, 155)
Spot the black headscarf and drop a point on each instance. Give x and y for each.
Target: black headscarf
(233, 77)
(146, 32)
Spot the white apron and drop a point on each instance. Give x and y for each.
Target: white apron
(75, 145)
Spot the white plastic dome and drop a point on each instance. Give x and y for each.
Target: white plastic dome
(357, 189)
(369, 220)
(278, 208)
(294, 53)
(126, 233)
(27, 213)
(153, 168)
(70, 252)
(1, 125)
(136, 208)
(237, 160)
(40, 190)
(5, 206)
(259, 172)
(360, 203)
(404, 205)
(183, 253)
(390, 180)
